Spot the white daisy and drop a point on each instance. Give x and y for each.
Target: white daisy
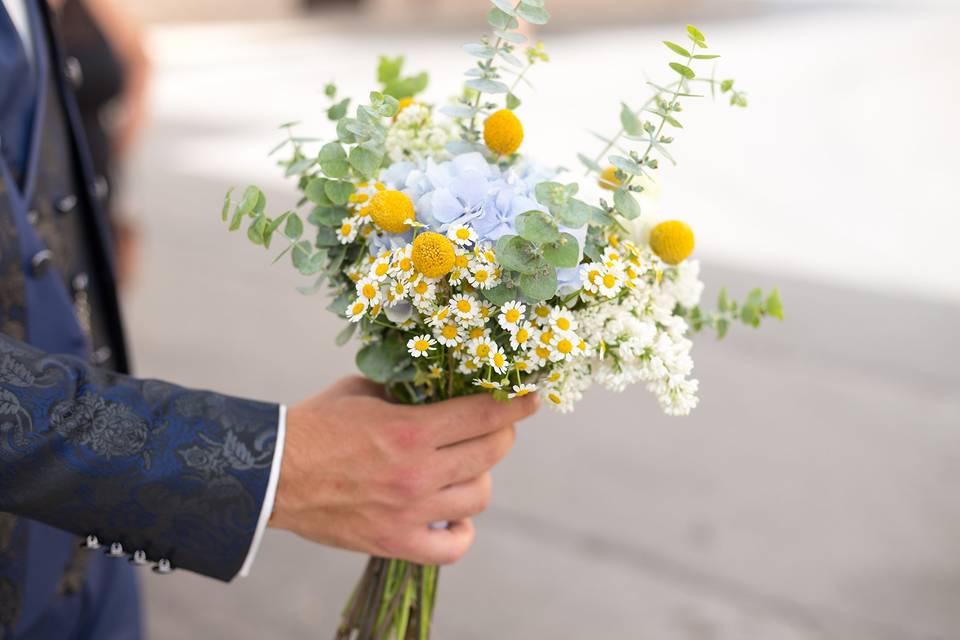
(368, 289)
(449, 334)
(356, 310)
(498, 360)
(465, 306)
(487, 384)
(511, 315)
(481, 275)
(420, 346)
(562, 320)
(522, 336)
(347, 231)
(520, 390)
(462, 235)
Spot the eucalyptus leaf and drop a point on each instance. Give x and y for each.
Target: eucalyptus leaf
(512, 101)
(627, 165)
(539, 286)
(299, 166)
(300, 256)
(537, 227)
(458, 111)
(485, 85)
(533, 15)
(338, 190)
(501, 294)
(343, 131)
(480, 50)
(341, 303)
(510, 36)
(250, 198)
(589, 163)
(562, 254)
(695, 34)
(677, 49)
(333, 160)
(326, 237)
(517, 254)
(574, 214)
(626, 204)
(510, 58)
(294, 227)
(506, 6)
(629, 120)
(338, 110)
(226, 204)
(346, 333)
(500, 19)
(315, 191)
(365, 161)
(550, 194)
(331, 217)
(383, 362)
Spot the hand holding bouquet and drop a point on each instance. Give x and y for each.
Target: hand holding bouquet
(464, 266)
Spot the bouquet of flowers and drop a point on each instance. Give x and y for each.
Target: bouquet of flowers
(464, 266)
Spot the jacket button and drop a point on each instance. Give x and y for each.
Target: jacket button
(73, 71)
(139, 557)
(33, 217)
(163, 566)
(66, 203)
(40, 263)
(116, 550)
(92, 542)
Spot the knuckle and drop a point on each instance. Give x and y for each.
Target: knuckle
(409, 485)
(405, 437)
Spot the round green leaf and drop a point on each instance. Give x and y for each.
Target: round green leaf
(333, 160)
(517, 254)
(537, 227)
(539, 286)
(338, 191)
(626, 204)
(365, 161)
(562, 254)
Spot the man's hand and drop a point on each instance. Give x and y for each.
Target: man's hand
(364, 474)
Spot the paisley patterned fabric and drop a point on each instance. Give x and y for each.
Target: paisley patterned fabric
(178, 473)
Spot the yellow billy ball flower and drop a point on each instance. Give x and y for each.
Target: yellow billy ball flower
(503, 132)
(672, 241)
(609, 179)
(433, 254)
(404, 103)
(390, 210)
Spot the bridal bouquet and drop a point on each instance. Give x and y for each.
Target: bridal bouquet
(466, 266)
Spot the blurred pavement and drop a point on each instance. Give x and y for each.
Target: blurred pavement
(813, 494)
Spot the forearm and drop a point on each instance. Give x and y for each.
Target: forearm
(178, 473)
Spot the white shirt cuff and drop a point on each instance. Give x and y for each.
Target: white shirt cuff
(268, 498)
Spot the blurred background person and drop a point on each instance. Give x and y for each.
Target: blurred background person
(105, 42)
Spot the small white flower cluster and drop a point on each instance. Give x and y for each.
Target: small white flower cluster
(416, 136)
(637, 338)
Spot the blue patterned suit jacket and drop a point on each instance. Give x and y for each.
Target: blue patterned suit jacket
(143, 470)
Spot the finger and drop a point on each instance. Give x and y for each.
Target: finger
(441, 546)
(460, 419)
(467, 460)
(456, 502)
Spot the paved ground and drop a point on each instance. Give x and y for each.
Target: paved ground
(812, 496)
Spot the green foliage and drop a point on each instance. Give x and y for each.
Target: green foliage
(751, 312)
(518, 254)
(626, 205)
(537, 227)
(540, 285)
(394, 83)
(333, 160)
(383, 362)
(564, 253)
(367, 162)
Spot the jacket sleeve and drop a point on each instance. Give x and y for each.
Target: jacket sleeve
(176, 473)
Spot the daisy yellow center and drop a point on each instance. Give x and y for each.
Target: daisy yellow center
(563, 323)
(464, 306)
(592, 276)
(369, 291)
(483, 350)
(543, 352)
(554, 398)
(463, 234)
(512, 315)
(421, 345)
(476, 332)
(546, 337)
(522, 392)
(382, 269)
(522, 336)
(449, 332)
(609, 280)
(462, 261)
(564, 346)
(672, 241)
(406, 264)
(421, 288)
(499, 360)
(442, 314)
(502, 132)
(433, 254)
(358, 307)
(346, 228)
(543, 312)
(481, 276)
(390, 210)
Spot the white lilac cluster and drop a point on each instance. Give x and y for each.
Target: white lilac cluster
(416, 135)
(636, 338)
